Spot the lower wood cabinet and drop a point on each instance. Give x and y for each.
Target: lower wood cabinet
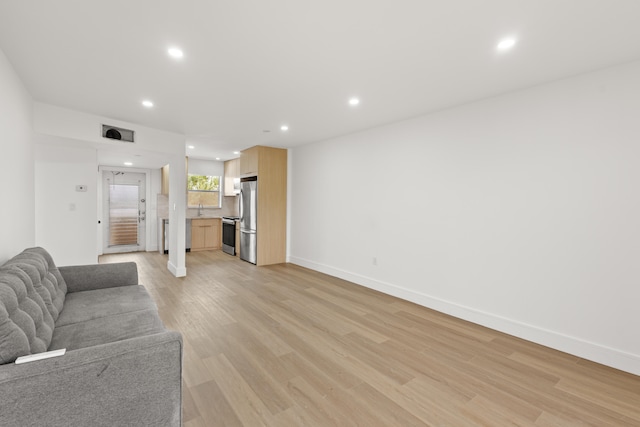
(206, 234)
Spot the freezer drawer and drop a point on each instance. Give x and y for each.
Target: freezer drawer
(248, 246)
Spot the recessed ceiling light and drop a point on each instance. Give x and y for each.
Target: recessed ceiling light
(175, 52)
(217, 158)
(191, 147)
(506, 44)
(284, 128)
(128, 164)
(354, 101)
(147, 103)
(236, 152)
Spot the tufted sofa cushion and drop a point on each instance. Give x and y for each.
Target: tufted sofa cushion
(44, 275)
(32, 293)
(26, 326)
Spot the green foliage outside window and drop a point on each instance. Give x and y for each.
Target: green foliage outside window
(203, 183)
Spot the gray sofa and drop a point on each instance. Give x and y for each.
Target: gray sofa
(121, 366)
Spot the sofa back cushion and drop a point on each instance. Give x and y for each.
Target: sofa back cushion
(26, 326)
(45, 276)
(32, 293)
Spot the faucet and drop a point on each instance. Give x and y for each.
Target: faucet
(199, 209)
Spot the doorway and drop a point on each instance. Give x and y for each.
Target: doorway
(124, 215)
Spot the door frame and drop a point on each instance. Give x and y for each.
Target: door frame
(100, 220)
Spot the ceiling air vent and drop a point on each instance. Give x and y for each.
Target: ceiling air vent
(120, 134)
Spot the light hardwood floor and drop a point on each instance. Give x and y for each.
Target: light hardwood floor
(285, 346)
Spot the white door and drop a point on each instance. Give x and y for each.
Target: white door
(124, 214)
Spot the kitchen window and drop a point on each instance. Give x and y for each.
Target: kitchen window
(204, 190)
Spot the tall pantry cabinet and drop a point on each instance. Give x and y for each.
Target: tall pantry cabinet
(270, 166)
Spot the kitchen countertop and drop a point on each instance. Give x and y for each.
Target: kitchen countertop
(196, 217)
(203, 216)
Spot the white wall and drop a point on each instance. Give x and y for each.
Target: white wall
(58, 121)
(17, 217)
(177, 216)
(206, 167)
(519, 212)
(60, 130)
(66, 220)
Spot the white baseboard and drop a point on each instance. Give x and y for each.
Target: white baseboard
(178, 272)
(578, 347)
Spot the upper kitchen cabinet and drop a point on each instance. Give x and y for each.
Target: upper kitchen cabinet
(232, 177)
(164, 176)
(164, 172)
(249, 160)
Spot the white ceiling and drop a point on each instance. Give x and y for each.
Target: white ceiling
(252, 65)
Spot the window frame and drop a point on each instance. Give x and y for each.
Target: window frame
(218, 191)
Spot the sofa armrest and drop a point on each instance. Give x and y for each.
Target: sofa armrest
(130, 382)
(99, 276)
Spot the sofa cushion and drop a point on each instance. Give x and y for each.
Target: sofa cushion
(26, 325)
(44, 274)
(106, 329)
(88, 305)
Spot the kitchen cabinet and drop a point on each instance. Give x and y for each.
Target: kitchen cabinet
(164, 172)
(249, 161)
(206, 234)
(164, 177)
(231, 176)
(270, 166)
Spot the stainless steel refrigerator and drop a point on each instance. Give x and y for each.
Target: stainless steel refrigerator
(249, 219)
